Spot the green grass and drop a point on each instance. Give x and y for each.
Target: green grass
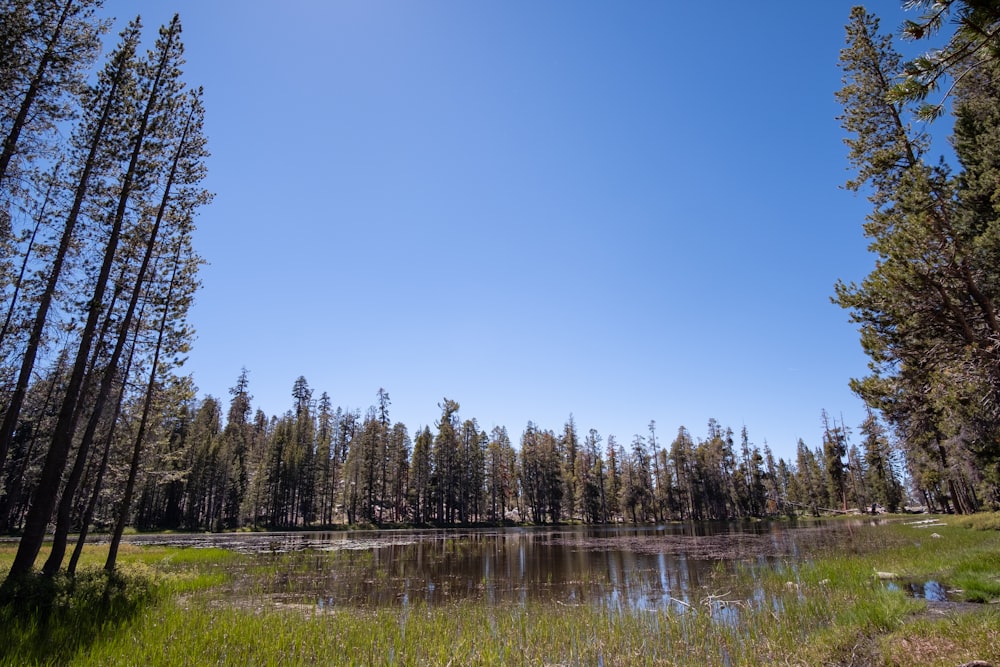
(980, 521)
(165, 608)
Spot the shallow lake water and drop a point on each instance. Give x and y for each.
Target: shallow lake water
(647, 567)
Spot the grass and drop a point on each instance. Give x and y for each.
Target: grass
(830, 609)
(981, 521)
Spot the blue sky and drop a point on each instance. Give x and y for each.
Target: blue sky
(624, 211)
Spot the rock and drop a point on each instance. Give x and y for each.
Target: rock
(976, 663)
(936, 536)
(886, 575)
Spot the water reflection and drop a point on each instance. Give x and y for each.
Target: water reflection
(931, 590)
(668, 566)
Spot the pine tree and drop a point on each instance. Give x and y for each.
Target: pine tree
(326, 463)
(497, 482)
(399, 471)
(638, 485)
(47, 48)
(445, 460)
(360, 469)
(112, 96)
(927, 312)
(532, 472)
(591, 478)
(972, 47)
(420, 477)
(661, 485)
(834, 451)
(881, 472)
(681, 455)
(179, 198)
(237, 437)
(614, 485)
(92, 156)
(569, 445)
(172, 339)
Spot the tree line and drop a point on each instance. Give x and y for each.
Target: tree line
(215, 466)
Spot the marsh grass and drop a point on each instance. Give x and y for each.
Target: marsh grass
(980, 521)
(44, 620)
(55, 620)
(169, 606)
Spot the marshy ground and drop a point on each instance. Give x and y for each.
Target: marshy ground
(759, 595)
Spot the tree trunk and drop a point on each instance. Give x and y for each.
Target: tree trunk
(34, 339)
(44, 499)
(140, 435)
(19, 282)
(63, 514)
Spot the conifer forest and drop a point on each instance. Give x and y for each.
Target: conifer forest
(101, 185)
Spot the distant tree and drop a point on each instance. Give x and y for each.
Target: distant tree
(591, 478)
(661, 478)
(446, 462)
(237, 438)
(361, 491)
(613, 491)
(569, 445)
(202, 492)
(786, 482)
(682, 458)
(834, 451)
(399, 470)
(380, 456)
(472, 461)
(326, 464)
(752, 476)
(715, 494)
(775, 485)
(420, 490)
(552, 485)
(638, 491)
(256, 502)
(810, 488)
(532, 472)
(500, 473)
(280, 471)
(881, 475)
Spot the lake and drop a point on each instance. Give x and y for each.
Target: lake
(644, 567)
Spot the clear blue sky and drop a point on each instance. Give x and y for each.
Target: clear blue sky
(624, 211)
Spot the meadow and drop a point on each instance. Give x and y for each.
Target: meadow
(834, 606)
